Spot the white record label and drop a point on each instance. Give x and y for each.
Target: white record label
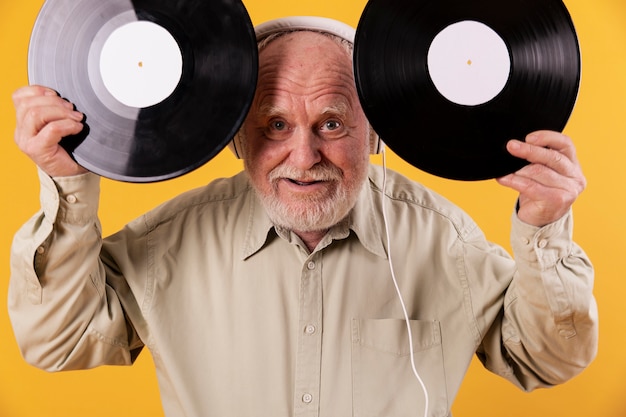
(469, 63)
(141, 64)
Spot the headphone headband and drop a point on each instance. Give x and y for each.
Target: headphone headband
(313, 23)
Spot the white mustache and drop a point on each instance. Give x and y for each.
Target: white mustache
(323, 172)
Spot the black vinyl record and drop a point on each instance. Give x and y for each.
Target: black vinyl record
(164, 84)
(411, 57)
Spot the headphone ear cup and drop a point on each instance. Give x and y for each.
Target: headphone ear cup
(376, 144)
(235, 146)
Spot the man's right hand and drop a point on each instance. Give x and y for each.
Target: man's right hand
(43, 119)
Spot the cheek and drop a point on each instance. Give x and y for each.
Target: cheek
(355, 160)
(263, 158)
(259, 162)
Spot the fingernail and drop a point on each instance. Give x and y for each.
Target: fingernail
(514, 144)
(532, 138)
(77, 115)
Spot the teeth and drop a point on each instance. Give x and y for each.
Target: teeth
(303, 183)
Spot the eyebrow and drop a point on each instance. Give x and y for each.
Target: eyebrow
(339, 109)
(271, 110)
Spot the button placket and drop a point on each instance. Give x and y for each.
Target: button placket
(308, 360)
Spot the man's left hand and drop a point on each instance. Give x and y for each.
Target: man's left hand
(550, 184)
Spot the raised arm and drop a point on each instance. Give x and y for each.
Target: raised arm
(550, 324)
(64, 313)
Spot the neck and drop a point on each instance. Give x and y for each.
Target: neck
(311, 239)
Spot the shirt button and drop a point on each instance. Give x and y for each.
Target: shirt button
(311, 265)
(307, 398)
(71, 199)
(525, 241)
(41, 250)
(543, 243)
(310, 329)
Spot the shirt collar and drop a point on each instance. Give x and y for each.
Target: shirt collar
(364, 220)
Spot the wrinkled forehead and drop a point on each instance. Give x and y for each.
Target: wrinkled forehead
(301, 60)
(310, 56)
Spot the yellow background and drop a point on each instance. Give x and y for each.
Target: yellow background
(598, 127)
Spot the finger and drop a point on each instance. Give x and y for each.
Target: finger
(31, 91)
(540, 199)
(548, 140)
(34, 96)
(520, 183)
(25, 102)
(31, 96)
(553, 140)
(561, 159)
(43, 110)
(51, 133)
(49, 137)
(542, 175)
(42, 128)
(44, 107)
(535, 176)
(539, 204)
(46, 151)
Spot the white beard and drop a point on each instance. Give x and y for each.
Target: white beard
(315, 212)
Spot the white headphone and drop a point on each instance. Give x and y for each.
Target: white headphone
(311, 23)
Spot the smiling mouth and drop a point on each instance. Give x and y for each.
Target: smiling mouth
(303, 183)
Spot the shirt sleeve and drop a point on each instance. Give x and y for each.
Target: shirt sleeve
(63, 313)
(549, 327)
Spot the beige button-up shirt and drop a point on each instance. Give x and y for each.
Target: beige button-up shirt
(243, 321)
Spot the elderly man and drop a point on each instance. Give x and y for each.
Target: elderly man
(271, 293)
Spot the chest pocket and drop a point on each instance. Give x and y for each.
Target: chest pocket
(383, 381)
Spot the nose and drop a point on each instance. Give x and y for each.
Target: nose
(305, 149)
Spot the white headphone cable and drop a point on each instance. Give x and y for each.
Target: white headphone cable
(395, 283)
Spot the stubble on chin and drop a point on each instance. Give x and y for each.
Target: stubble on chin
(312, 212)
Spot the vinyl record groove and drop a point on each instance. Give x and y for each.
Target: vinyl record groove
(205, 62)
(424, 70)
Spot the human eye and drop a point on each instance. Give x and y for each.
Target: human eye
(332, 128)
(332, 125)
(277, 129)
(278, 125)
